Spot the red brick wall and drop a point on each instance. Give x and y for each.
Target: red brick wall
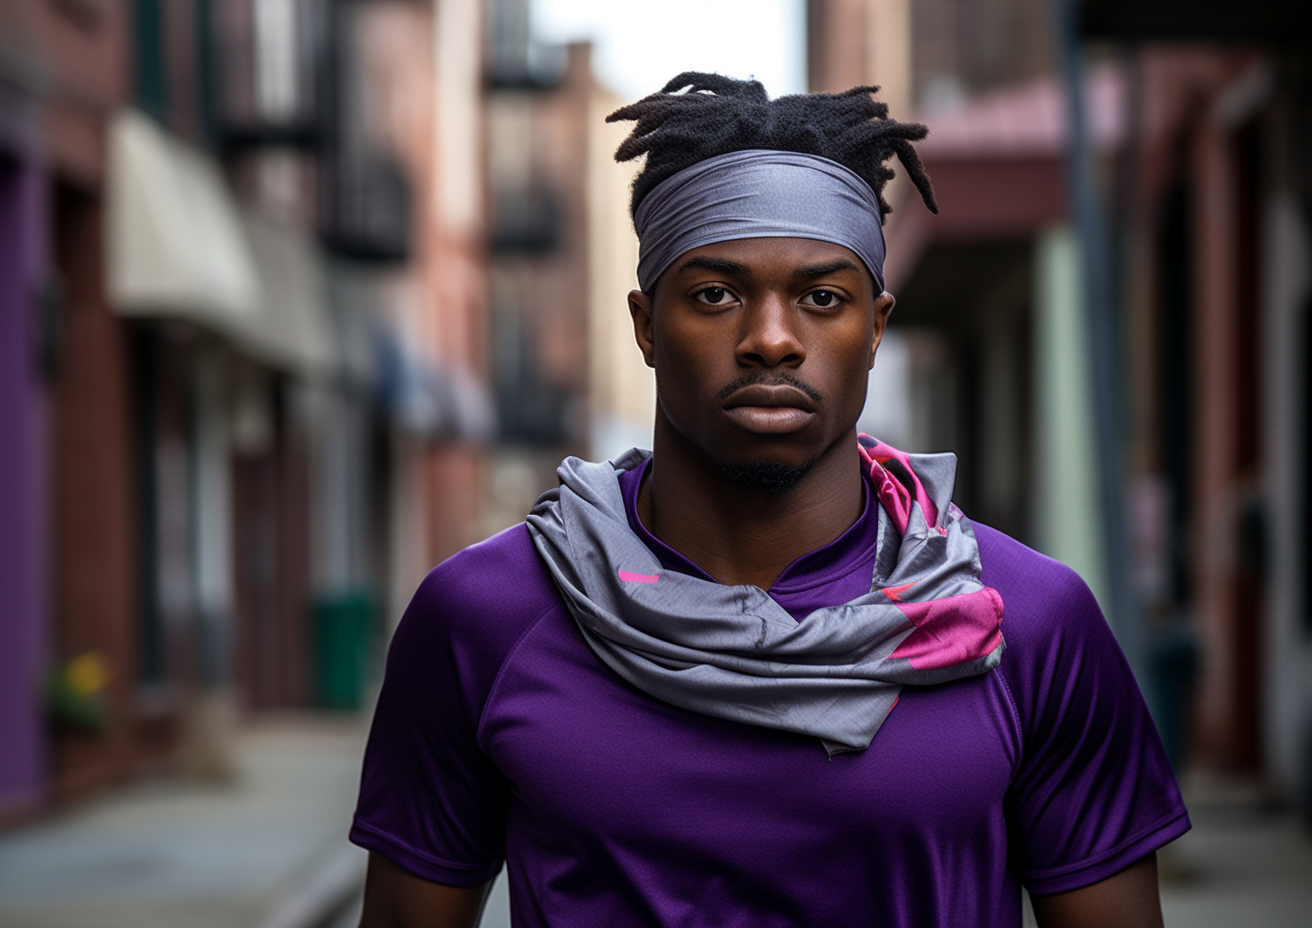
(1180, 140)
(85, 47)
(93, 495)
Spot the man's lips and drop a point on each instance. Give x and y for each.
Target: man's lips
(770, 395)
(770, 408)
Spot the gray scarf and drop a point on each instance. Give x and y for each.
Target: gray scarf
(732, 652)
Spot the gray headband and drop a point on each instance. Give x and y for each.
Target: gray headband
(758, 194)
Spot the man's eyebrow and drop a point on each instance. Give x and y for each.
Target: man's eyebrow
(716, 264)
(820, 270)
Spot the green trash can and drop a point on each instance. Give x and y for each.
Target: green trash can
(342, 636)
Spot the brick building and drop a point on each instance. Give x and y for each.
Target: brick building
(241, 291)
(1216, 182)
(63, 71)
(538, 103)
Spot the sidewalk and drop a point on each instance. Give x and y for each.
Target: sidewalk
(1246, 862)
(268, 850)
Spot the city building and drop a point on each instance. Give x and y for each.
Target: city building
(539, 103)
(1211, 224)
(242, 290)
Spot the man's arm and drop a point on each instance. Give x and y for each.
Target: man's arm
(1124, 900)
(396, 898)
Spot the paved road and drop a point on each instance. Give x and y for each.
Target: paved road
(1244, 864)
(268, 850)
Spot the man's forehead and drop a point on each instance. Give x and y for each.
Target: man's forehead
(803, 257)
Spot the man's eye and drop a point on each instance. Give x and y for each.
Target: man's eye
(714, 295)
(823, 298)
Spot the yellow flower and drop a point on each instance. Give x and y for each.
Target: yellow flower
(87, 673)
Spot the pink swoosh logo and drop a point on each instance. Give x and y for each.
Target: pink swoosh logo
(638, 578)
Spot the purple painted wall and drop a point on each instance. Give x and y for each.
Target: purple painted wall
(23, 541)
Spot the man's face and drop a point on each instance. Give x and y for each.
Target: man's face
(762, 347)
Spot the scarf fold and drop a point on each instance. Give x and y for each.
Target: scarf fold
(732, 652)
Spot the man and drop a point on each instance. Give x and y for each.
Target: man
(607, 699)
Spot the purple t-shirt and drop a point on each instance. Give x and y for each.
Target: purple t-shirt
(500, 736)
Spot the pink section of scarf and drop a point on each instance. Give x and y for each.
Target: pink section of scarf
(948, 631)
(893, 496)
(952, 630)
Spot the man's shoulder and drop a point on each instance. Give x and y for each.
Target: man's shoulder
(1013, 564)
(1043, 600)
(491, 590)
(463, 623)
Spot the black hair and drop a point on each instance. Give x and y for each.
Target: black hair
(698, 116)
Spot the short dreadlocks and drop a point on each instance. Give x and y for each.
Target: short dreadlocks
(698, 116)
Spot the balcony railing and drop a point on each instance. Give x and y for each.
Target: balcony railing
(525, 221)
(367, 211)
(273, 67)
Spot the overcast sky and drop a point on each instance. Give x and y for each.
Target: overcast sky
(640, 44)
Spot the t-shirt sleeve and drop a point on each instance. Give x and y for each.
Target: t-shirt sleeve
(430, 799)
(1094, 791)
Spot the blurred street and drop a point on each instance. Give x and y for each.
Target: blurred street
(1246, 862)
(266, 850)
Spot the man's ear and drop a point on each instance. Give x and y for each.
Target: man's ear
(883, 308)
(640, 310)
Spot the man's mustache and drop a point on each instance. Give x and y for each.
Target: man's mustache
(775, 379)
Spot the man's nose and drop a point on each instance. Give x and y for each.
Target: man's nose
(769, 337)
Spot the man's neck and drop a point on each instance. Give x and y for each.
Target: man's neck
(740, 535)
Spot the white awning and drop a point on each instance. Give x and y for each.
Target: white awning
(180, 247)
(173, 239)
(291, 328)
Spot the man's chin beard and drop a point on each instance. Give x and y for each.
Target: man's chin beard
(765, 476)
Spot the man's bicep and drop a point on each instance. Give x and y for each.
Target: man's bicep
(396, 898)
(1127, 899)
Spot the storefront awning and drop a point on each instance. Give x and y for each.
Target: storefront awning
(180, 247)
(173, 238)
(290, 328)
